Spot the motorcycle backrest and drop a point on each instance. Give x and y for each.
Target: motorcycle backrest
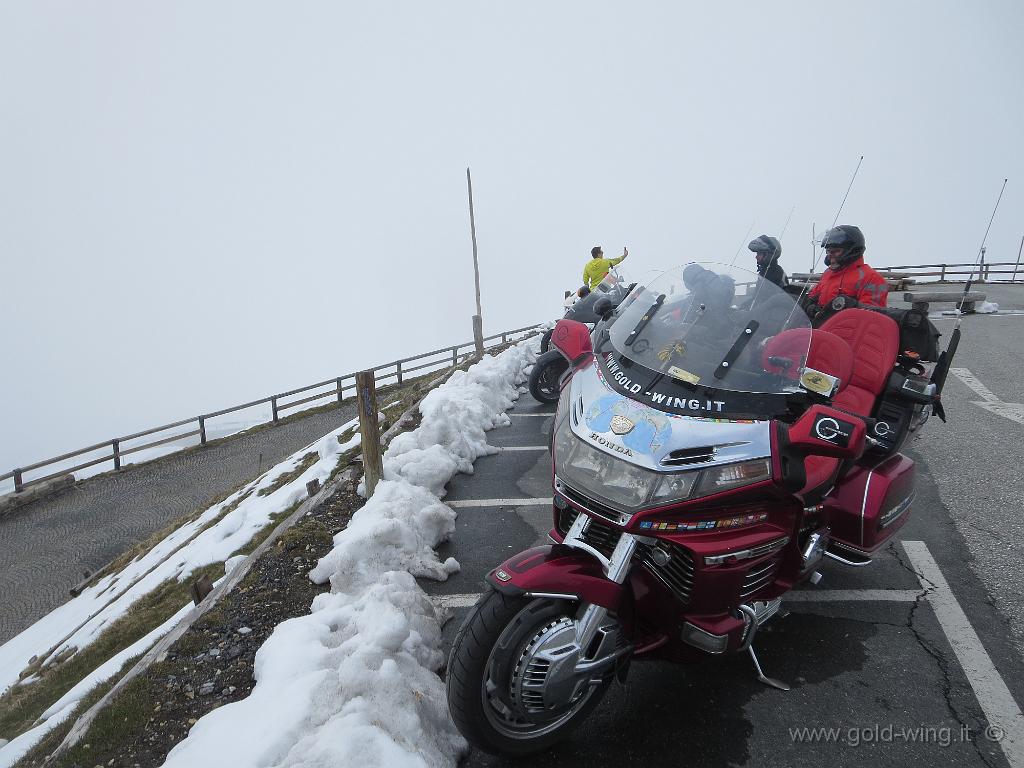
(572, 339)
(824, 431)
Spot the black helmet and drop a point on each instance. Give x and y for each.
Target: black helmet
(847, 237)
(766, 247)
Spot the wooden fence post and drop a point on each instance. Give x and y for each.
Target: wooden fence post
(478, 335)
(369, 431)
(115, 444)
(339, 389)
(19, 485)
(942, 277)
(398, 367)
(273, 408)
(202, 430)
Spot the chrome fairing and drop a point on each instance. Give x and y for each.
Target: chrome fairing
(647, 437)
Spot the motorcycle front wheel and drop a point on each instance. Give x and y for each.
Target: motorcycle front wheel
(546, 374)
(482, 671)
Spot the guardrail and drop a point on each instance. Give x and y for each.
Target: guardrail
(397, 370)
(982, 272)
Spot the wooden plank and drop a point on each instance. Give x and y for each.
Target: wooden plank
(238, 407)
(155, 443)
(306, 389)
(126, 438)
(62, 457)
(310, 399)
(930, 296)
(69, 470)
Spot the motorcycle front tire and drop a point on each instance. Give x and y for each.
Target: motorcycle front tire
(501, 624)
(546, 373)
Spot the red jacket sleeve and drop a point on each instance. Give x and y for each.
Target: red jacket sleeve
(874, 291)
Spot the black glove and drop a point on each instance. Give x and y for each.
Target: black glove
(810, 306)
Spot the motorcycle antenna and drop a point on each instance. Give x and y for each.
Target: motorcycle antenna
(841, 206)
(941, 369)
(746, 239)
(979, 258)
(786, 225)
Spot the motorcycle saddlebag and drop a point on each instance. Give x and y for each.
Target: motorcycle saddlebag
(917, 333)
(871, 503)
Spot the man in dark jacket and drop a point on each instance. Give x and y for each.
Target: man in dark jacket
(767, 251)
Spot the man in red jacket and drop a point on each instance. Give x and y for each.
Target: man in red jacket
(847, 274)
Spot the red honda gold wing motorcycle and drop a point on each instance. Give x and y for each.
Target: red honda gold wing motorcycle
(709, 449)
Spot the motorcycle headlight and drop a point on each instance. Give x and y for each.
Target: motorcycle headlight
(623, 485)
(627, 487)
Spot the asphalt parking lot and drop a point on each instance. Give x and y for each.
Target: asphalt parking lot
(880, 675)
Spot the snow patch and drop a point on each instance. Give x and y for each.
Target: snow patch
(354, 682)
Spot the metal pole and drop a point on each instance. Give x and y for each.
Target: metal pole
(814, 247)
(1017, 265)
(478, 317)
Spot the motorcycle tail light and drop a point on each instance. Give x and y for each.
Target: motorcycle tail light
(718, 479)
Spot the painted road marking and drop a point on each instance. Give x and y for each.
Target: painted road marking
(466, 503)
(504, 448)
(995, 698)
(991, 403)
(852, 595)
(540, 415)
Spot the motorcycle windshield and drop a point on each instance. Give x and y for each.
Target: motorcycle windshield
(704, 328)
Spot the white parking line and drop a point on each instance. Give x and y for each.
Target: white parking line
(995, 698)
(464, 503)
(974, 383)
(505, 448)
(852, 595)
(538, 415)
(991, 403)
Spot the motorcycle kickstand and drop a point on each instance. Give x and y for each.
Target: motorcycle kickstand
(761, 677)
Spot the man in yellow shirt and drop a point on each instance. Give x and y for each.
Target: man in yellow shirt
(598, 266)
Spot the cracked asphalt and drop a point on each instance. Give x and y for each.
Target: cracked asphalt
(881, 675)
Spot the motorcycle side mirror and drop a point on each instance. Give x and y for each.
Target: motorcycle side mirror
(572, 339)
(603, 308)
(824, 431)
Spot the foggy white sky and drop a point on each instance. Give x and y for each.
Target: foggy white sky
(203, 203)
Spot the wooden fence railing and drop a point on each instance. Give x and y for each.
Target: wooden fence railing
(397, 371)
(1004, 271)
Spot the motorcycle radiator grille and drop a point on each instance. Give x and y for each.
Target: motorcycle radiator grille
(758, 576)
(677, 573)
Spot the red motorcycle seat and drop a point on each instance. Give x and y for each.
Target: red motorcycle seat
(874, 339)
